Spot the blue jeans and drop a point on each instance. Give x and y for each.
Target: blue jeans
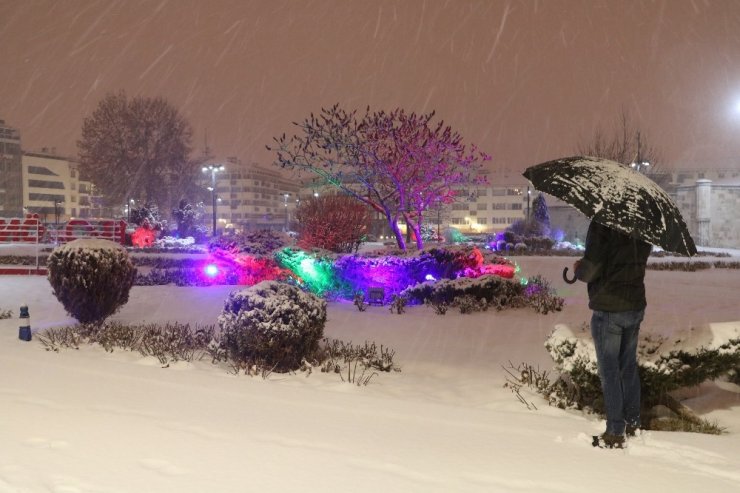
(615, 337)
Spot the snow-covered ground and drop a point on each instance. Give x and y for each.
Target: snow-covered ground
(91, 421)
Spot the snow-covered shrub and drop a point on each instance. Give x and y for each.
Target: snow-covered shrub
(272, 325)
(398, 304)
(396, 273)
(168, 343)
(470, 304)
(262, 242)
(91, 278)
(6, 314)
(354, 363)
(541, 296)
(494, 290)
(699, 356)
(171, 242)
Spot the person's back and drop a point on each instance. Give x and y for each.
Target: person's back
(613, 265)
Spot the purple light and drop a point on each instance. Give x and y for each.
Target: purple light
(211, 270)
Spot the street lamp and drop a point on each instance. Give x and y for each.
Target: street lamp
(213, 169)
(129, 204)
(638, 163)
(285, 196)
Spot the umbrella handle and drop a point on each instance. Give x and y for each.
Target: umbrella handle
(565, 277)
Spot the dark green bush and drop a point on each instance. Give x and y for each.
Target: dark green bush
(91, 278)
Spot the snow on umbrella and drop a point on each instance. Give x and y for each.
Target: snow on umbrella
(616, 196)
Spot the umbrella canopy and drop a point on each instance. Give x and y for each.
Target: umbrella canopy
(616, 196)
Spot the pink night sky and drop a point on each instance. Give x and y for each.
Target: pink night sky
(527, 81)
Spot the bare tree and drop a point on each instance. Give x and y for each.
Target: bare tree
(397, 163)
(333, 222)
(137, 149)
(625, 144)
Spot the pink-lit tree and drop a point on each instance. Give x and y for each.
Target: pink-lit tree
(399, 164)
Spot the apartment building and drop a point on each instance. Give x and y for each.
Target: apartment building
(11, 182)
(250, 197)
(52, 188)
(489, 208)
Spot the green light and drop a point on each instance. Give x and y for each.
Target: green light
(317, 274)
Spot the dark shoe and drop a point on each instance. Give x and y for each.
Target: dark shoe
(631, 430)
(608, 440)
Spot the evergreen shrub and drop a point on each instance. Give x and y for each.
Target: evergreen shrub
(664, 367)
(494, 290)
(91, 278)
(272, 325)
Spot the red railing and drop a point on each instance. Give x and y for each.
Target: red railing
(26, 230)
(31, 230)
(109, 229)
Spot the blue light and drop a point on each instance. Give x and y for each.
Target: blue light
(211, 270)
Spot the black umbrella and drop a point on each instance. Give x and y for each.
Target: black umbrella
(616, 196)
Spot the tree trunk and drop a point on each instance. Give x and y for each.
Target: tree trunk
(397, 232)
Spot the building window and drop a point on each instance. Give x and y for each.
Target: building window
(482, 206)
(48, 197)
(40, 170)
(46, 184)
(516, 207)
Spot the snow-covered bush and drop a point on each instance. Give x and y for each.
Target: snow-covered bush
(171, 241)
(91, 278)
(541, 296)
(480, 293)
(272, 325)
(696, 357)
(262, 242)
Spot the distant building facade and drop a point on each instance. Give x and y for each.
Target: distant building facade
(491, 208)
(11, 179)
(251, 197)
(52, 188)
(709, 201)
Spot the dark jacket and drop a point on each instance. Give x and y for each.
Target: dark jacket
(613, 265)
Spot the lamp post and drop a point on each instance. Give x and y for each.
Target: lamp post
(285, 196)
(638, 163)
(529, 196)
(213, 169)
(56, 211)
(129, 204)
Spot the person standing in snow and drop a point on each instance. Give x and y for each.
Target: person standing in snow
(613, 265)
